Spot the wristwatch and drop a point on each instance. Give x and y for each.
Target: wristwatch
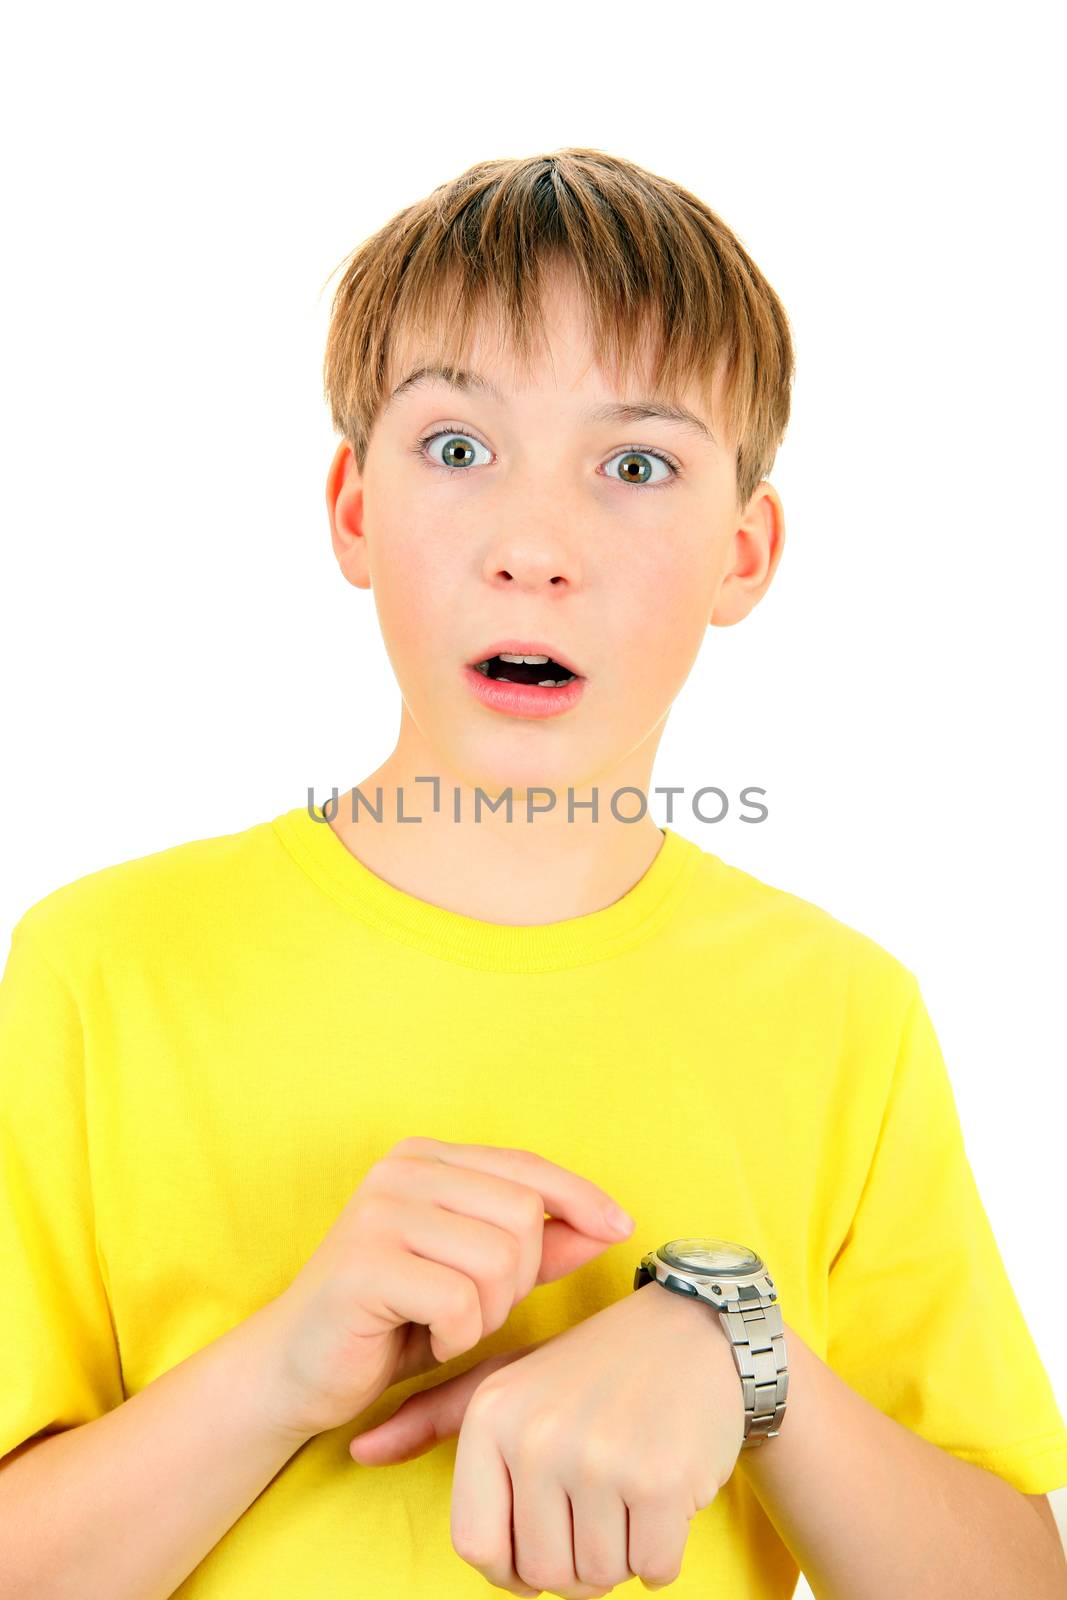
(733, 1280)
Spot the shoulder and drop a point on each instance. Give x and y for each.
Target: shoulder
(828, 1014)
(147, 905)
(795, 947)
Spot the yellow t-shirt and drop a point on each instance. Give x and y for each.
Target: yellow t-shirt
(203, 1050)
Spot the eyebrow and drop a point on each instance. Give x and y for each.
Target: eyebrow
(614, 411)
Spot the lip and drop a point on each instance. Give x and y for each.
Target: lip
(526, 647)
(524, 699)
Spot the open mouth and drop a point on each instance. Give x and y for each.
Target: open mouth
(540, 670)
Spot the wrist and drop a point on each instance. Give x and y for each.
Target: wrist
(700, 1321)
(731, 1282)
(263, 1350)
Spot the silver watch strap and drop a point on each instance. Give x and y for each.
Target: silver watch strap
(757, 1340)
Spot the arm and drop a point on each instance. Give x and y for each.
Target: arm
(124, 1507)
(871, 1510)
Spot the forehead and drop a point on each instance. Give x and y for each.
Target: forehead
(490, 362)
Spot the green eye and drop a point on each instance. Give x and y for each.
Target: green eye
(458, 450)
(640, 466)
(636, 466)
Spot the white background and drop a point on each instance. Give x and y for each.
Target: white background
(180, 654)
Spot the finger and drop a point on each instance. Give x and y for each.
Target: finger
(415, 1288)
(455, 1195)
(462, 1218)
(659, 1529)
(565, 1194)
(426, 1418)
(409, 1432)
(601, 1533)
(543, 1535)
(485, 1254)
(481, 1508)
(417, 1355)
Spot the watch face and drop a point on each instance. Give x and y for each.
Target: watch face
(715, 1256)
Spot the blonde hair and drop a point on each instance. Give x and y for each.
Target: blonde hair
(653, 262)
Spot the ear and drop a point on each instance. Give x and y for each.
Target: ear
(344, 502)
(754, 554)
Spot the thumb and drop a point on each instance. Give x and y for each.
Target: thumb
(426, 1418)
(564, 1249)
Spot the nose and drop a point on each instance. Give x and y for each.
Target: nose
(532, 558)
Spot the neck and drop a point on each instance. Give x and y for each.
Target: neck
(532, 868)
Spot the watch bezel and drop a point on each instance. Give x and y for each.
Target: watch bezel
(724, 1290)
(753, 1269)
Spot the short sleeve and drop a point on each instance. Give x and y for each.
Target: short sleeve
(59, 1363)
(923, 1319)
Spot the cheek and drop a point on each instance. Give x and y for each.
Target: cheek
(411, 582)
(663, 620)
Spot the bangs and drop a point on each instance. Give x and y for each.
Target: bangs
(669, 293)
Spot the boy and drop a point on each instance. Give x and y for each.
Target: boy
(284, 1110)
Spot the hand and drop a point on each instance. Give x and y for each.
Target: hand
(430, 1254)
(636, 1410)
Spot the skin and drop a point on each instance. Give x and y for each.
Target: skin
(536, 539)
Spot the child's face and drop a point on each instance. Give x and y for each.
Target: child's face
(541, 537)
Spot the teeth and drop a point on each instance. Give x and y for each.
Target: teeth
(544, 683)
(531, 661)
